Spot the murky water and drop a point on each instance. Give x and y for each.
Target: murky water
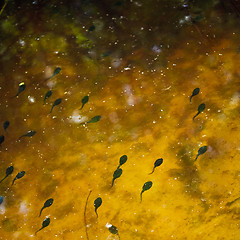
(138, 62)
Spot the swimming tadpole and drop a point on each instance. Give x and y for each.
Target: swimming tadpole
(9, 171)
(116, 174)
(201, 107)
(57, 102)
(55, 72)
(91, 28)
(48, 203)
(201, 151)
(6, 125)
(84, 101)
(19, 175)
(146, 186)
(45, 223)
(28, 134)
(194, 93)
(1, 140)
(114, 230)
(47, 95)
(122, 160)
(94, 119)
(1, 199)
(97, 204)
(157, 163)
(21, 88)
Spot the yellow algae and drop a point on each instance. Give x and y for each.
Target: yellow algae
(146, 114)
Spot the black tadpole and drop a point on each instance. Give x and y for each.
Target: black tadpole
(6, 125)
(45, 223)
(201, 107)
(114, 230)
(201, 151)
(116, 174)
(84, 101)
(47, 95)
(19, 175)
(9, 171)
(194, 93)
(28, 134)
(1, 140)
(157, 163)
(21, 88)
(122, 160)
(146, 186)
(97, 204)
(57, 102)
(48, 203)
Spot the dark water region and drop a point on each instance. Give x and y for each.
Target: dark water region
(96, 95)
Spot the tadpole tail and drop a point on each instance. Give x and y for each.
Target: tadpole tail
(191, 98)
(196, 115)
(118, 236)
(51, 109)
(151, 172)
(41, 211)
(38, 230)
(3, 178)
(96, 212)
(81, 107)
(141, 196)
(13, 181)
(113, 181)
(196, 158)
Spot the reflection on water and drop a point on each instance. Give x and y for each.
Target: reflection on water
(95, 95)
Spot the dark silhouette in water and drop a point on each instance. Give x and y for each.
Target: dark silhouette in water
(94, 119)
(146, 186)
(114, 230)
(21, 88)
(122, 160)
(45, 223)
(6, 125)
(48, 203)
(57, 102)
(201, 107)
(47, 95)
(116, 174)
(84, 101)
(194, 93)
(19, 175)
(157, 163)
(29, 134)
(201, 151)
(97, 204)
(9, 171)
(56, 71)
(1, 140)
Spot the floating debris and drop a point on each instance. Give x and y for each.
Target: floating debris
(116, 174)
(48, 203)
(157, 163)
(201, 107)
(122, 160)
(47, 95)
(57, 102)
(9, 171)
(97, 204)
(6, 125)
(146, 186)
(84, 101)
(45, 223)
(194, 93)
(29, 134)
(201, 151)
(19, 175)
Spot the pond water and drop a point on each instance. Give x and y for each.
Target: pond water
(139, 63)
